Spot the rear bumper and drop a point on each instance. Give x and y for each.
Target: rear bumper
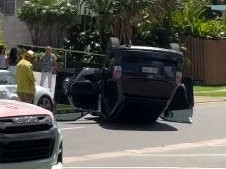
(155, 104)
(139, 99)
(147, 88)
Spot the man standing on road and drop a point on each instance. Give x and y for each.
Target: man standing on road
(25, 78)
(48, 63)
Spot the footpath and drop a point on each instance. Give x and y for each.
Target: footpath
(206, 99)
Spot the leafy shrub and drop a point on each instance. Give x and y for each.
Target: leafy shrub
(191, 21)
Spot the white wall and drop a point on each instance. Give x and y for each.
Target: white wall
(14, 31)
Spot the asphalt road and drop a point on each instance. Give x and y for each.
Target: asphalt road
(164, 145)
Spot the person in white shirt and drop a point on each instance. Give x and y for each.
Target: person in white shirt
(48, 65)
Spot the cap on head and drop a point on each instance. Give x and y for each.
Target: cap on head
(30, 53)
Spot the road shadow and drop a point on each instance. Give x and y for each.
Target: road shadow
(157, 126)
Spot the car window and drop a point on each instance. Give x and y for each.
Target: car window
(7, 79)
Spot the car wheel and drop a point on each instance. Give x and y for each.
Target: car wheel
(46, 103)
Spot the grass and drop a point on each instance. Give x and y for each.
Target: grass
(63, 106)
(210, 91)
(208, 88)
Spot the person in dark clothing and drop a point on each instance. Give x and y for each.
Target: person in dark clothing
(2, 56)
(12, 60)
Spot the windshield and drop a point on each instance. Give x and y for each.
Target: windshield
(7, 79)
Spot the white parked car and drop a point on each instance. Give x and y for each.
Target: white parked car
(43, 97)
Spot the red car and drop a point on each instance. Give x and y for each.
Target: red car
(29, 137)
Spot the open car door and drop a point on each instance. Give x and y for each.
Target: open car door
(180, 108)
(76, 93)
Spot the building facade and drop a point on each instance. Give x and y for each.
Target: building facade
(14, 31)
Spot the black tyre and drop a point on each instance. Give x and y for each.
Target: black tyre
(46, 103)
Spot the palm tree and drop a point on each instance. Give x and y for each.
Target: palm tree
(115, 16)
(121, 17)
(101, 10)
(125, 17)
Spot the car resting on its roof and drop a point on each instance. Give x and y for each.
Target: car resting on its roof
(136, 84)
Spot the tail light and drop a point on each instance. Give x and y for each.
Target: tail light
(178, 77)
(117, 73)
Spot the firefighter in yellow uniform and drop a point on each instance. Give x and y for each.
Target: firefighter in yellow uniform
(25, 78)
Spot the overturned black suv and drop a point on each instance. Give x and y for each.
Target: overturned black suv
(136, 84)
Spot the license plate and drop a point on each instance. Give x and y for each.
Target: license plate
(153, 70)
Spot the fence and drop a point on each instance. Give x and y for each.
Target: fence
(64, 54)
(208, 60)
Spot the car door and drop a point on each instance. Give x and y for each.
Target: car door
(76, 93)
(180, 107)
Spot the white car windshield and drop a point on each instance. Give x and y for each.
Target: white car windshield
(7, 79)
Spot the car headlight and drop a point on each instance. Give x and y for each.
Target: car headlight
(3, 92)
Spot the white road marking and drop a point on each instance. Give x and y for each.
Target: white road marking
(72, 128)
(220, 145)
(180, 155)
(147, 151)
(139, 168)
